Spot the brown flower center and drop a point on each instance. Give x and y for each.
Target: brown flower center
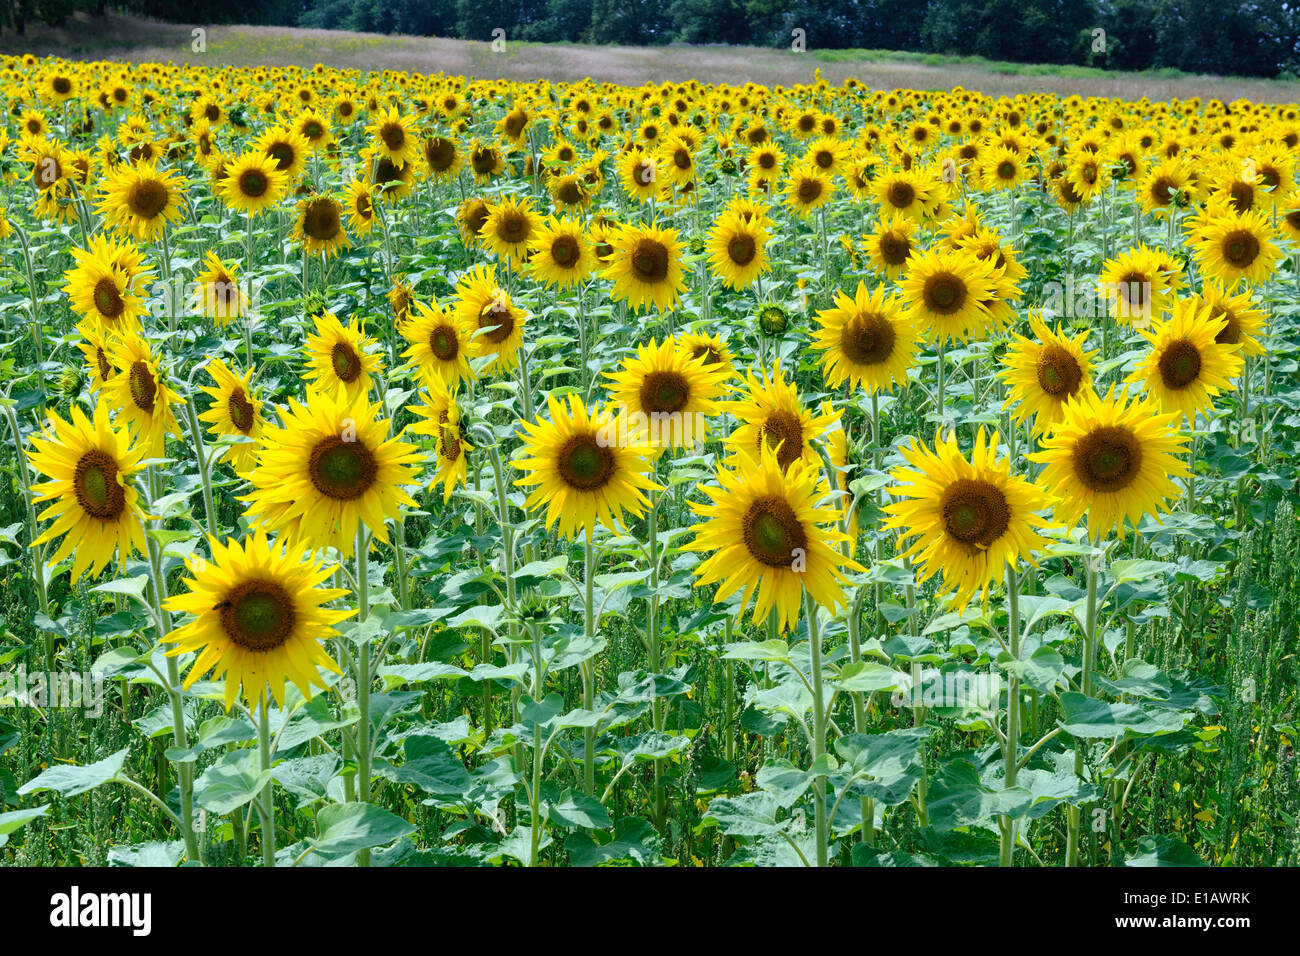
(96, 486)
(148, 198)
(772, 532)
(1180, 364)
(1240, 248)
(974, 512)
(1107, 459)
(1059, 374)
(108, 300)
(443, 343)
(742, 250)
(665, 392)
(584, 463)
(650, 261)
(241, 411)
(783, 433)
(258, 615)
(320, 220)
(868, 339)
(144, 390)
(345, 361)
(944, 293)
(342, 470)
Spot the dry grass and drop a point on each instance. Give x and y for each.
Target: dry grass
(137, 40)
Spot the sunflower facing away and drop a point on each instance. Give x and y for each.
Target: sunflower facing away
(867, 340)
(140, 393)
(1112, 458)
(583, 468)
(1045, 372)
(341, 358)
(667, 394)
(95, 506)
(969, 518)
(1186, 366)
(330, 468)
(259, 619)
(236, 411)
(646, 267)
(772, 415)
(771, 537)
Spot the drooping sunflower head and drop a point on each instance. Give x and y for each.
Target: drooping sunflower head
(969, 519)
(259, 618)
(585, 468)
(1186, 365)
(1244, 321)
(1112, 459)
(1045, 372)
(441, 416)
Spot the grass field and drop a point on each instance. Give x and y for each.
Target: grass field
(138, 40)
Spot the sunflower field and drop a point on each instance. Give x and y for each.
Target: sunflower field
(427, 470)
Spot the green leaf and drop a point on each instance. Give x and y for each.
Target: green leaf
(234, 780)
(868, 676)
(11, 821)
(773, 650)
(1089, 717)
(348, 827)
(72, 780)
(1163, 851)
(155, 853)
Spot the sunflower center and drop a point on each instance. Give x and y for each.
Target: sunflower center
(144, 390)
(584, 463)
(393, 135)
(105, 370)
(253, 184)
(443, 343)
(650, 261)
(500, 320)
(62, 85)
(258, 615)
(1006, 169)
(1230, 334)
(742, 250)
(895, 249)
(96, 486)
(1243, 196)
(944, 293)
(513, 227)
(241, 410)
(320, 221)
(783, 433)
(1180, 364)
(1162, 191)
(342, 470)
(644, 173)
(1059, 374)
(108, 301)
(772, 531)
(665, 392)
(810, 189)
(440, 153)
(1240, 248)
(974, 512)
(346, 362)
(901, 195)
(1107, 459)
(282, 153)
(868, 339)
(564, 250)
(148, 198)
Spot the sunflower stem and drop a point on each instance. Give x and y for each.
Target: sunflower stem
(1011, 746)
(363, 680)
(589, 666)
(266, 809)
(819, 728)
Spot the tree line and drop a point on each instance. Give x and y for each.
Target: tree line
(1250, 38)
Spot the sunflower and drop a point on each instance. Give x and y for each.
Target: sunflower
(259, 619)
(737, 249)
(1045, 372)
(772, 538)
(287, 148)
(667, 395)
(891, 246)
(235, 410)
(1002, 168)
(319, 226)
(947, 294)
(101, 287)
(486, 162)
(488, 316)
(584, 468)
(1112, 458)
(1236, 246)
(510, 224)
(393, 137)
(441, 414)
(561, 255)
(806, 189)
(219, 291)
(765, 161)
(341, 358)
(772, 415)
(442, 158)
(1185, 366)
(646, 267)
(400, 297)
(329, 469)
(639, 174)
(142, 201)
(95, 346)
(439, 346)
(140, 393)
(95, 505)
(1244, 319)
(1166, 185)
(471, 214)
(907, 192)
(1137, 285)
(711, 348)
(867, 340)
(969, 519)
(361, 207)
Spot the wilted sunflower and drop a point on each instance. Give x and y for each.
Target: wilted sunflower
(441, 414)
(772, 415)
(667, 395)
(867, 340)
(646, 267)
(1236, 246)
(142, 201)
(219, 292)
(327, 470)
(737, 248)
(319, 226)
(947, 294)
(95, 505)
(259, 619)
(970, 519)
(235, 410)
(341, 358)
(1044, 373)
(486, 162)
(772, 537)
(140, 393)
(560, 254)
(510, 224)
(1185, 366)
(486, 313)
(584, 468)
(1112, 458)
